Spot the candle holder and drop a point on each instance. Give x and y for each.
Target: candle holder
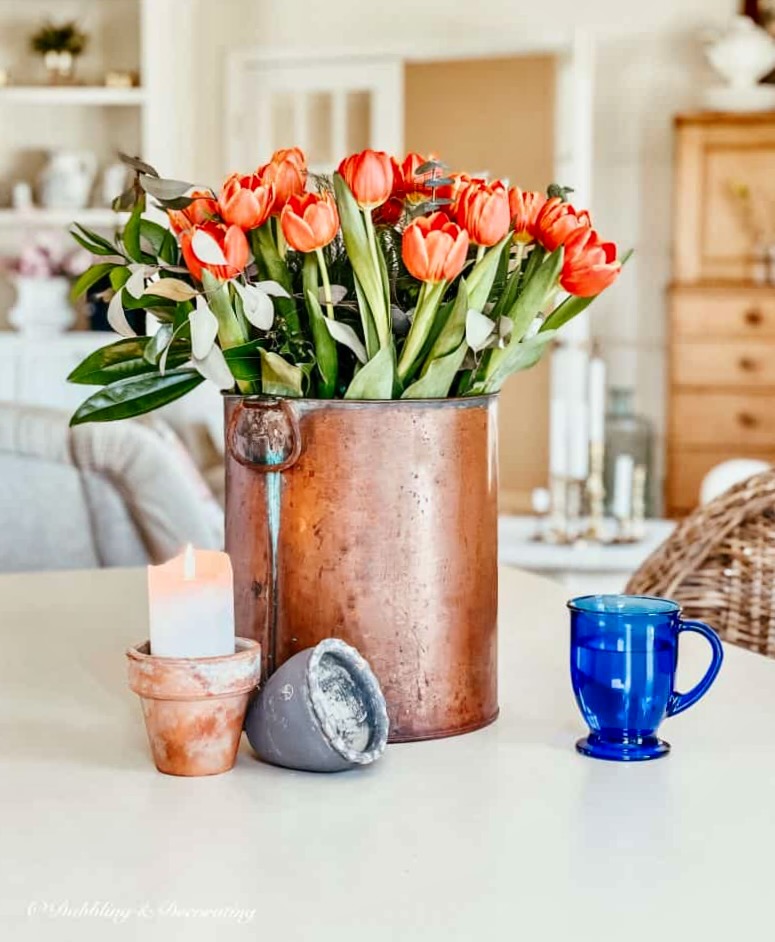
(639, 502)
(558, 531)
(194, 707)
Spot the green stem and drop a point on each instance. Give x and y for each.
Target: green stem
(326, 283)
(382, 317)
(480, 250)
(422, 324)
(282, 245)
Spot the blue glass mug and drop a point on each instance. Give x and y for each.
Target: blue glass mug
(624, 654)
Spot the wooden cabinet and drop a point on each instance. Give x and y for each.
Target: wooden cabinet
(722, 324)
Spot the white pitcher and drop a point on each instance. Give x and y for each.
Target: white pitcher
(67, 179)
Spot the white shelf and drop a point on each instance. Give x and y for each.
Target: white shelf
(29, 218)
(72, 95)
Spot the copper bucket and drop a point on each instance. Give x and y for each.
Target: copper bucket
(374, 522)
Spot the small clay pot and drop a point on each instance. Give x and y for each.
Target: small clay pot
(321, 711)
(194, 708)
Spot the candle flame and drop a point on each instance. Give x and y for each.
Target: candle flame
(189, 563)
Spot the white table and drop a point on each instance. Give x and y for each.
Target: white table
(502, 834)
(582, 568)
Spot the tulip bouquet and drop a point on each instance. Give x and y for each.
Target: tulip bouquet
(384, 281)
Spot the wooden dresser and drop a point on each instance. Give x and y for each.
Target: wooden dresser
(722, 322)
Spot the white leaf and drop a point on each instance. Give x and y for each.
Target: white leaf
(478, 329)
(117, 317)
(135, 285)
(257, 305)
(207, 249)
(338, 294)
(505, 327)
(346, 336)
(172, 288)
(204, 329)
(215, 368)
(272, 288)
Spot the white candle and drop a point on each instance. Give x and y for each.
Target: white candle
(596, 400)
(558, 439)
(191, 605)
(622, 502)
(579, 441)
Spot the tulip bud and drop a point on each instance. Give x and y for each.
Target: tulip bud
(524, 206)
(370, 176)
(483, 210)
(589, 265)
(309, 221)
(556, 221)
(203, 207)
(246, 201)
(434, 248)
(287, 172)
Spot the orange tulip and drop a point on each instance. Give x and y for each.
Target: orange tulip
(556, 221)
(590, 265)
(434, 248)
(245, 200)
(483, 210)
(287, 172)
(524, 206)
(415, 185)
(370, 176)
(389, 213)
(203, 207)
(309, 221)
(232, 242)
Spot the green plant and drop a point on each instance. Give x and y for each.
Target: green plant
(63, 37)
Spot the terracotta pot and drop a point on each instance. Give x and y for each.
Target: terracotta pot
(194, 708)
(374, 522)
(321, 711)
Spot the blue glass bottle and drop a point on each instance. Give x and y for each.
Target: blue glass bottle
(624, 654)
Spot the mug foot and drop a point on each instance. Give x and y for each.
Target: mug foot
(598, 748)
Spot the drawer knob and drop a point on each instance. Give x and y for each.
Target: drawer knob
(747, 364)
(747, 420)
(753, 317)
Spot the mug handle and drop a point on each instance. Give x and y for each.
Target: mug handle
(682, 701)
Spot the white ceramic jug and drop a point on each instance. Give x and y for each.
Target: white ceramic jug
(743, 53)
(67, 180)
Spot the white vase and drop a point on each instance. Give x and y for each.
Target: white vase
(67, 179)
(42, 307)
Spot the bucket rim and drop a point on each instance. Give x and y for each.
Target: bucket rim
(348, 403)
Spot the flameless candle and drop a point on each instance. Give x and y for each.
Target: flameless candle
(579, 441)
(622, 503)
(596, 399)
(558, 439)
(191, 605)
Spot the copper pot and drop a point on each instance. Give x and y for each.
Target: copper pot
(374, 522)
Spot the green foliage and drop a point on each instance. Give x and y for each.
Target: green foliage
(135, 396)
(62, 37)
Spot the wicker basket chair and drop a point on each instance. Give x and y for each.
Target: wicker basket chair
(719, 564)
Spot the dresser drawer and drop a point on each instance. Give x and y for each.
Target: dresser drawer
(741, 363)
(687, 468)
(712, 419)
(723, 312)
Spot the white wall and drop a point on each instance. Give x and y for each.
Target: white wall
(649, 66)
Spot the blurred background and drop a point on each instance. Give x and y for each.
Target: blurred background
(655, 113)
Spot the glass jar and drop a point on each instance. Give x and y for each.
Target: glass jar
(627, 434)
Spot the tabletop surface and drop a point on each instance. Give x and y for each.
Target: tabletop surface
(502, 834)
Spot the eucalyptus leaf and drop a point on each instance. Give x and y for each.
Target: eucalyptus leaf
(90, 277)
(204, 329)
(273, 288)
(516, 357)
(117, 318)
(215, 368)
(125, 201)
(436, 381)
(137, 164)
(173, 289)
(162, 189)
(135, 285)
(376, 379)
(257, 305)
(429, 166)
(279, 377)
(479, 329)
(120, 360)
(338, 294)
(158, 343)
(136, 395)
(206, 249)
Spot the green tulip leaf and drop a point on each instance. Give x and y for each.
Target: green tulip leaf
(245, 360)
(136, 395)
(516, 357)
(279, 377)
(90, 277)
(376, 379)
(532, 298)
(436, 381)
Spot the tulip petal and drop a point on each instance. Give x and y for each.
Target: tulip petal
(117, 317)
(347, 337)
(256, 305)
(206, 249)
(479, 329)
(215, 368)
(204, 329)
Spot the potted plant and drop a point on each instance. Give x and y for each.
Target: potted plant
(361, 326)
(42, 276)
(60, 45)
